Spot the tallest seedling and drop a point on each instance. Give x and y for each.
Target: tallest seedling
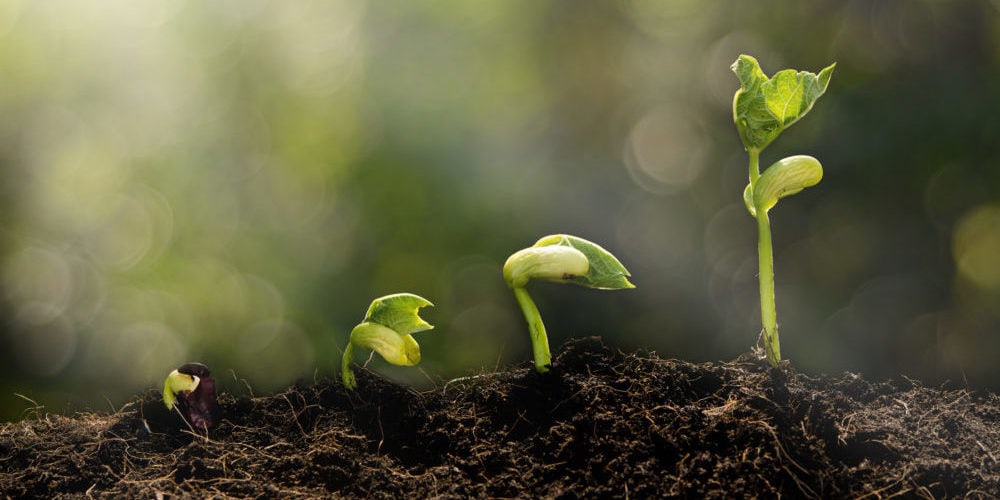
(762, 109)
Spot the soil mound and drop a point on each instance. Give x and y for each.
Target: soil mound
(602, 424)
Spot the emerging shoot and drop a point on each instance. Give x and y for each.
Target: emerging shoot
(386, 329)
(559, 258)
(762, 109)
(191, 390)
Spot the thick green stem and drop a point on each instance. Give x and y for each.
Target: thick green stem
(768, 313)
(539, 339)
(345, 368)
(765, 255)
(754, 166)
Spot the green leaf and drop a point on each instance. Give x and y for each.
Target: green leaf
(764, 107)
(605, 271)
(399, 312)
(785, 178)
(398, 349)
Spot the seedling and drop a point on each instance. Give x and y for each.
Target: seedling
(762, 109)
(386, 329)
(559, 258)
(191, 390)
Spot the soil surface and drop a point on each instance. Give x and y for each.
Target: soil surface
(602, 424)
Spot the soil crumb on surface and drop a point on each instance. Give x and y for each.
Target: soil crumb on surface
(601, 424)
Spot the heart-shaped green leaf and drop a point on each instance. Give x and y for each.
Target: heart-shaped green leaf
(764, 107)
(399, 312)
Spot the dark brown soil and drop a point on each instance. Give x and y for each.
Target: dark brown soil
(603, 424)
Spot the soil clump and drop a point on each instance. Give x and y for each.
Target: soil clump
(602, 424)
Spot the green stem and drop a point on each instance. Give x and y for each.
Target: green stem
(768, 313)
(345, 368)
(754, 166)
(765, 255)
(539, 339)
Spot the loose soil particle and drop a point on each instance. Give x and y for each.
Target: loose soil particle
(602, 424)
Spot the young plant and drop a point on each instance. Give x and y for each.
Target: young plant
(762, 109)
(191, 390)
(559, 258)
(386, 330)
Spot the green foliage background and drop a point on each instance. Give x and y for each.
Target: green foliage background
(234, 182)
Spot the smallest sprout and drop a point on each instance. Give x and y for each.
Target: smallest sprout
(386, 330)
(559, 258)
(191, 390)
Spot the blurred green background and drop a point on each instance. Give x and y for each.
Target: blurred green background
(233, 182)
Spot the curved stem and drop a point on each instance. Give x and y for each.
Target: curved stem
(539, 339)
(345, 368)
(768, 314)
(754, 166)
